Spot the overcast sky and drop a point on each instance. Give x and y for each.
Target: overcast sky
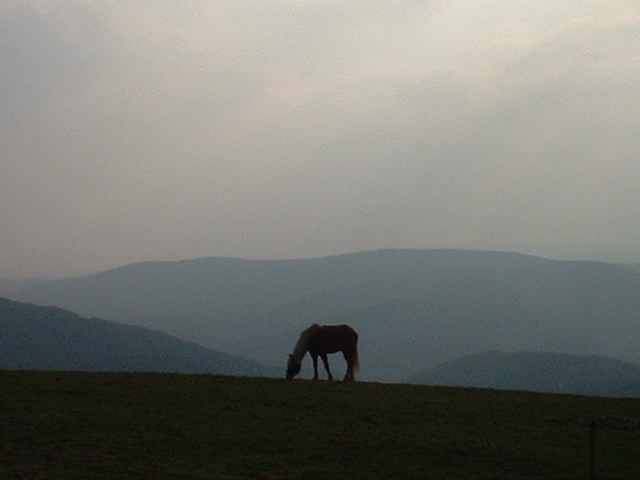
(164, 130)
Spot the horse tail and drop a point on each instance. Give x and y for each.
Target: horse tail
(356, 360)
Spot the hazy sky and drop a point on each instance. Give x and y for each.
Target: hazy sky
(161, 130)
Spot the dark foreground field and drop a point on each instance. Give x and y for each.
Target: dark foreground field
(101, 425)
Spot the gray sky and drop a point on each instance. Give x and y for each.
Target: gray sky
(161, 130)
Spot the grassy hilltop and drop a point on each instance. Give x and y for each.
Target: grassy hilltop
(133, 425)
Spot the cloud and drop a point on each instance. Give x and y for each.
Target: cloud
(158, 130)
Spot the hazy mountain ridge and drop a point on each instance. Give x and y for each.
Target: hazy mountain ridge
(537, 371)
(413, 308)
(50, 338)
(9, 286)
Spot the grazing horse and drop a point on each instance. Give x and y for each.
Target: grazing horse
(319, 340)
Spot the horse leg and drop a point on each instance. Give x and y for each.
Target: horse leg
(349, 374)
(325, 360)
(315, 366)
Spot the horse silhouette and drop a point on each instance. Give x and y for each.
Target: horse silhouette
(320, 340)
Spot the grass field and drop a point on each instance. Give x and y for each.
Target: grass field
(134, 425)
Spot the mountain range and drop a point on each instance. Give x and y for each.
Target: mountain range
(50, 338)
(414, 309)
(538, 372)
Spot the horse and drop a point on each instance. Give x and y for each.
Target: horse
(319, 340)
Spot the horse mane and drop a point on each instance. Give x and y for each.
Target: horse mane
(302, 346)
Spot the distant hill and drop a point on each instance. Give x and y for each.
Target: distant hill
(49, 338)
(413, 308)
(540, 372)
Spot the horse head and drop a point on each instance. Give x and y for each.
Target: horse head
(293, 367)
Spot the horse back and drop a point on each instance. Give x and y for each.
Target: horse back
(334, 338)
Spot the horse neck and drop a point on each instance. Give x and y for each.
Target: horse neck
(302, 346)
